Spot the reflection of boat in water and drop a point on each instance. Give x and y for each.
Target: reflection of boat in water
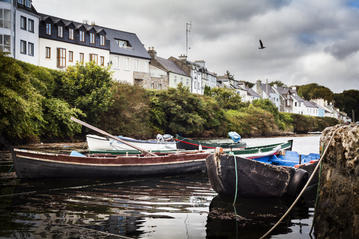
(251, 217)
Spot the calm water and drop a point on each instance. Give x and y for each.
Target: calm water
(166, 207)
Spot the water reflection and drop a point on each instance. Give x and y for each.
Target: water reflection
(251, 217)
(169, 207)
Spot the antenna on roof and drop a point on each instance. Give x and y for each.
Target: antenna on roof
(188, 30)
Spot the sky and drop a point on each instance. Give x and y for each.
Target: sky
(307, 41)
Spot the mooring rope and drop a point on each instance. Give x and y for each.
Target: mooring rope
(236, 172)
(304, 188)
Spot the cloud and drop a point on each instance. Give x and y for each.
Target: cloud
(307, 40)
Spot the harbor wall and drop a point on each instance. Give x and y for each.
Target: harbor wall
(337, 211)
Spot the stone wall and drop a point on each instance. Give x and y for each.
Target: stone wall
(337, 212)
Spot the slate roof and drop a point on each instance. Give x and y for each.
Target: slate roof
(283, 90)
(264, 88)
(170, 66)
(309, 104)
(137, 49)
(297, 98)
(251, 92)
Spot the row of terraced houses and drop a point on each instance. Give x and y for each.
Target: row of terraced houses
(57, 43)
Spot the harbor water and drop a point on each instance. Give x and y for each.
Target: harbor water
(164, 207)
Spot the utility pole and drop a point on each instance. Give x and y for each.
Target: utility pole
(188, 30)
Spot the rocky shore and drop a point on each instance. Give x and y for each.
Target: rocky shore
(337, 212)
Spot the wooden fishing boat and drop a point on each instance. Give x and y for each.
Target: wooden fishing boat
(31, 164)
(231, 174)
(101, 144)
(190, 144)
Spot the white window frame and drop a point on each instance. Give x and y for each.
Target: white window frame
(92, 38)
(71, 33)
(102, 40)
(82, 36)
(31, 25)
(30, 49)
(23, 22)
(48, 28)
(60, 31)
(23, 46)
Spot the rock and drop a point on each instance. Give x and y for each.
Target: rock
(337, 212)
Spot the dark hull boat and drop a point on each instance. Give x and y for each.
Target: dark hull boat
(190, 144)
(230, 175)
(30, 164)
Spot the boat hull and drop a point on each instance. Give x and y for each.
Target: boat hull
(230, 174)
(188, 144)
(98, 143)
(41, 165)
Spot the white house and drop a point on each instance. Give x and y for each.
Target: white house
(64, 43)
(7, 31)
(265, 91)
(19, 30)
(26, 32)
(165, 73)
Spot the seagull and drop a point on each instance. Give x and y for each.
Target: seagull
(261, 45)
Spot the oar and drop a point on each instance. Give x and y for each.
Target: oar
(110, 136)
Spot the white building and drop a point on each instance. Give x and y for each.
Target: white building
(19, 25)
(266, 92)
(7, 31)
(165, 73)
(26, 32)
(64, 43)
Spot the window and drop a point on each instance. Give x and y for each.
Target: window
(61, 57)
(5, 18)
(48, 52)
(123, 43)
(82, 36)
(92, 38)
(71, 56)
(71, 34)
(48, 28)
(82, 57)
(30, 49)
(102, 60)
(60, 31)
(93, 58)
(102, 40)
(5, 43)
(31, 25)
(22, 47)
(20, 1)
(23, 23)
(28, 3)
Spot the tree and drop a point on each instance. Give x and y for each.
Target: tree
(315, 91)
(226, 98)
(86, 87)
(348, 101)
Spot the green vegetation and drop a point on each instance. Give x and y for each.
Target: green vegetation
(36, 104)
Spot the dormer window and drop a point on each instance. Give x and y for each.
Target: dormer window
(60, 31)
(82, 36)
(28, 3)
(71, 34)
(92, 38)
(48, 28)
(123, 43)
(102, 40)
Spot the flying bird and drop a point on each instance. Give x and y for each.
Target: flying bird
(261, 45)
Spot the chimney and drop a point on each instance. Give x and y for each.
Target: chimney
(93, 23)
(258, 87)
(85, 21)
(152, 52)
(201, 63)
(183, 57)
